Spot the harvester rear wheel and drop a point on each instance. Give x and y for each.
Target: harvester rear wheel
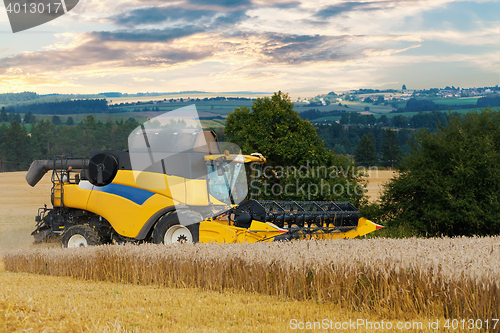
(168, 230)
(80, 236)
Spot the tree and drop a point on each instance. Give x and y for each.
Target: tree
(56, 120)
(70, 121)
(17, 117)
(3, 115)
(390, 149)
(29, 118)
(399, 121)
(403, 87)
(366, 153)
(17, 147)
(380, 99)
(294, 151)
(450, 182)
(345, 118)
(274, 129)
(368, 100)
(383, 119)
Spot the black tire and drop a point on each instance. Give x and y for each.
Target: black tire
(80, 236)
(168, 230)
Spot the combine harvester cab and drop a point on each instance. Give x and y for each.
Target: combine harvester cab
(176, 184)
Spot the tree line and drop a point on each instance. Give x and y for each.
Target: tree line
(345, 139)
(18, 148)
(62, 107)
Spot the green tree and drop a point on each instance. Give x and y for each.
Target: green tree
(56, 120)
(70, 121)
(383, 119)
(29, 118)
(43, 139)
(399, 121)
(366, 153)
(274, 129)
(17, 147)
(3, 115)
(450, 183)
(345, 118)
(390, 149)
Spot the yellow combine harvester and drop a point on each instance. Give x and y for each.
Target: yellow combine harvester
(175, 185)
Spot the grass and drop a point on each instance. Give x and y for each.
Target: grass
(390, 278)
(118, 100)
(457, 101)
(352, 107)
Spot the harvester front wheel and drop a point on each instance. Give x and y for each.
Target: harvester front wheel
(80, 236)
(168, 230)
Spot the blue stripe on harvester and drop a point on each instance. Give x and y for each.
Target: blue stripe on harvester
(137, 195)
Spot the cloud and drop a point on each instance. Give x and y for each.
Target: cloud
(155, 15)
(222, 3)
(147, 35)
(142, 79)
(108, 52)
(246, 40)
(184, 19)
(335, 10)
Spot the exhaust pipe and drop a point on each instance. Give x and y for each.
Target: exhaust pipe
(39, 168)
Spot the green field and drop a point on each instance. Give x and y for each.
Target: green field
(215, 107)
(457, 101)
(351, 107)
(118, 100)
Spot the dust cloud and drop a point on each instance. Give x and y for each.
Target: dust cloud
(19, 205)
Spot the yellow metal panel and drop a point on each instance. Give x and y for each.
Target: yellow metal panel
(125, 216)
(168, 186)
(364, 227)
(220, 232)
(75, 197)
(196, 192)
(214, 232)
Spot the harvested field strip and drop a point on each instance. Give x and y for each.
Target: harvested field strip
(394, 278)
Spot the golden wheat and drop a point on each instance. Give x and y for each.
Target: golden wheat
(396, 278)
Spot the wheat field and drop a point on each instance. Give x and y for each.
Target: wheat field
(392, 278)
(375, 181)
(234, 288)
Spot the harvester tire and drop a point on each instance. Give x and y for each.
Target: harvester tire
(80, 236)
(168, 230)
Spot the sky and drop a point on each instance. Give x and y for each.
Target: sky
(295, 46)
